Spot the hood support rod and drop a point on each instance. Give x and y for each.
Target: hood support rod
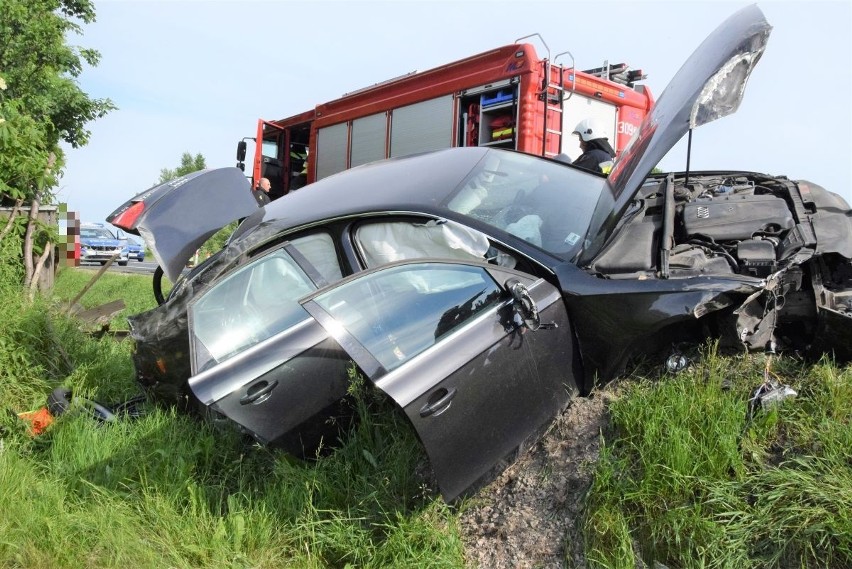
(688, 158)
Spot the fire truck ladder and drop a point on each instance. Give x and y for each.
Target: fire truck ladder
(554, 99)
(553, 95)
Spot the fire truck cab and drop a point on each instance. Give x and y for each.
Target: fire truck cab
(506, 97)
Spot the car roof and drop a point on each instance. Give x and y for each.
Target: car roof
(417, 183)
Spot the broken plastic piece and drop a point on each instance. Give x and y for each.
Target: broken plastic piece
(776, 395)
(676, 363)
(38, 420)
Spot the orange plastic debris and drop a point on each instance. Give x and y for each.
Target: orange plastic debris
(38, 420)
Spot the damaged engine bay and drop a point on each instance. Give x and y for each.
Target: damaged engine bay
(790, 238)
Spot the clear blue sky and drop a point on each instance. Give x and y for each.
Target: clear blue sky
(194, 76)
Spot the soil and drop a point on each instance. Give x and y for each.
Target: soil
(531, 515)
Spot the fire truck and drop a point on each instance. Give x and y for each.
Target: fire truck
(507, 97)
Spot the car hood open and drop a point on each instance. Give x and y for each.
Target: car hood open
(708, 86)
(175, 218)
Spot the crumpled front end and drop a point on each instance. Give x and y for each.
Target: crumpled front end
(790, 241)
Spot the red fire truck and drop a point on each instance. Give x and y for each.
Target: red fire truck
(506, 97)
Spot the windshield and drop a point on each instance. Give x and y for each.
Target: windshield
(95, 233)
(544, 203)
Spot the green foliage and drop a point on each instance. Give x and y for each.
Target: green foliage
(692, 480)
(217, 240)
(11, 269)
(188, 165)
(40, 69)
(25, 156)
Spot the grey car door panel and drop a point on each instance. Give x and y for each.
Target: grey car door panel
(283, 391)
(474, 381)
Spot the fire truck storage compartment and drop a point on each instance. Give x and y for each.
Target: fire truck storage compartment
(331, 150)
(489, 114)
(368, 139)
(420, 127)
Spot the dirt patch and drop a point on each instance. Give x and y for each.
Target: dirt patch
(531, 515)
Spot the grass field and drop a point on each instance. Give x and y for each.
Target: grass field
(687, 478)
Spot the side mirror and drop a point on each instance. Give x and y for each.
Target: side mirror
(241, 151)
(524, 305)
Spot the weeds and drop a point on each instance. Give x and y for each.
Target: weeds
(689, 481)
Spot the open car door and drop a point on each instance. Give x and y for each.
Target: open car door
(479, 357)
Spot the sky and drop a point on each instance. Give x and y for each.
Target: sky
(195, 75)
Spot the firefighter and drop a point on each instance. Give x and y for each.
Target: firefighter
(597, 153)
(261, 193)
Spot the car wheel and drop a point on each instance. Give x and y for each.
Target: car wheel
(59, 401)
(140, 259)
(158, 285)
(122, 263)
(102, 263)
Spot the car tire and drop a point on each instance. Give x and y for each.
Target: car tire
(122, 263)
(59, 401)
(102, 263)
(140, 259)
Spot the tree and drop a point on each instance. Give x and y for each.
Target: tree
(188, 164)
(41, 105)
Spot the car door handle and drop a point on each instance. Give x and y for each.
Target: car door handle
(438, 402)
(258, 392)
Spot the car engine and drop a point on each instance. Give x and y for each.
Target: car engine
(746, 224)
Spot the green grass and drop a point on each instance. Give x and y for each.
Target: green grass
(689, 480)
(686, 478)
(135, 290)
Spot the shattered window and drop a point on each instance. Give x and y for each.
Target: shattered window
(399, 312)
(248, 306)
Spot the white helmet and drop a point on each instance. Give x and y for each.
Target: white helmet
(590, 129)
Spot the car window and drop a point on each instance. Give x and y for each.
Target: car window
(248, 306)
(401, 311)
(545, 203)
(388, 241)
(318, 249)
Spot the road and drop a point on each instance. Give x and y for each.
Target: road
(134, 267)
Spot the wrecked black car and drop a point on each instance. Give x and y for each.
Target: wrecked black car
(482, 289)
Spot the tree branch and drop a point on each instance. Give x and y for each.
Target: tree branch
(28, 242)
(12, 215)
(33, 285)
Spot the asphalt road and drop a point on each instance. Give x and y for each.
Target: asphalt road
(144, 268)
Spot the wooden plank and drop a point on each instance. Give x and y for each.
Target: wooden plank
(102, 313)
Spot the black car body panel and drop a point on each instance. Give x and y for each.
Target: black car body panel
(481, 289)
